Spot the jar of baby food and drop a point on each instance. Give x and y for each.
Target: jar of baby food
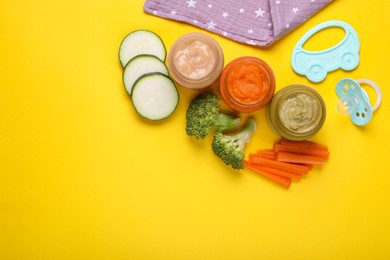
(195, 60)
(296, 112)
(247, 84)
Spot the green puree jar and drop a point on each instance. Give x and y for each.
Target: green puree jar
(296, 112)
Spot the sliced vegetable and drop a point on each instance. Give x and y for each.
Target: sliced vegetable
(263, 155)
(288, 159)
(141, 65)
(310, 166)
(291, 148)
(279, 172)
(289, 167)
(285, 182)
(266, 151)
(154, 96)
(141, 42)
(299, 158)
(304, 144)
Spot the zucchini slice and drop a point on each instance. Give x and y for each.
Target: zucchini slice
(155, 96)
(141, 65)
(141, 42)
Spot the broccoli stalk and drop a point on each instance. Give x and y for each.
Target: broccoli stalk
(203, 115)
(226, 122)
(231, 148)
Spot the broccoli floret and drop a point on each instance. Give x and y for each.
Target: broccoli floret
(231, 148)
(203, 115)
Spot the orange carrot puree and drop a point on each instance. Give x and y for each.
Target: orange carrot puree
(247, 83)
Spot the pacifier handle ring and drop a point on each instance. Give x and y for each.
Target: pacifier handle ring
(377, 91)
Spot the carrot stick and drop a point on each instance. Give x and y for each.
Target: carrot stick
(304, 144)
(289, 167)
(285, 182)
(266, 151)
(263, 155)
(279, 172)
(301, 150)
(299, 158)
(310, 166)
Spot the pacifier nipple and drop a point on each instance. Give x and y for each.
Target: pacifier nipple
(355, 101)
(347, 105)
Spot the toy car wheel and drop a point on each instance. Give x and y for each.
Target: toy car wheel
(349, 61)
(316, 73)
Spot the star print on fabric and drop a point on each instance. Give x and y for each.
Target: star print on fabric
(211, 25)
(260, 12)
(191, 3)
(255, 22)
(251, 42)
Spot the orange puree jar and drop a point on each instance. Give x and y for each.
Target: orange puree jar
(247, 84)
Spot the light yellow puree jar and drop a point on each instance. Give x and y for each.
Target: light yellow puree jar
(195, 61)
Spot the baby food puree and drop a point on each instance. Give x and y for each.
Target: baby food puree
(195, 60)
(247, 84)
(297, 112)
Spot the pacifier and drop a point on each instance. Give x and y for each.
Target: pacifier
(355, 101)
(315, 65)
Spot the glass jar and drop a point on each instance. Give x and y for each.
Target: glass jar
(195, 60)
(296, 112)
(247, 84)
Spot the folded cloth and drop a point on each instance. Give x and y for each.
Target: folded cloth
(254, 22)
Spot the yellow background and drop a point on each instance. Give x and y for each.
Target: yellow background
(82, 177)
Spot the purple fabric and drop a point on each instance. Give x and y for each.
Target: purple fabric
(254, 22)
